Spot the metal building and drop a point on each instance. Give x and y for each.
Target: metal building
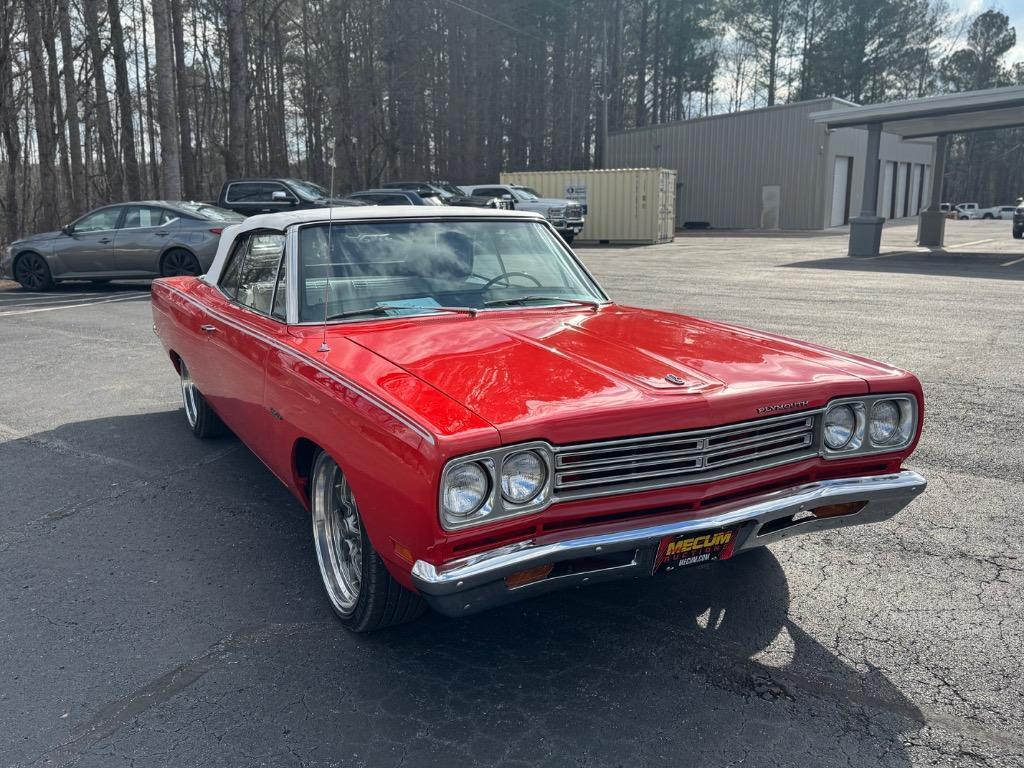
(775, 168)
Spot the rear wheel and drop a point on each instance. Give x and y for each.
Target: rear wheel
(179, 262)
(203, 422)
(988, 216)
(362, 593)
(32, 271)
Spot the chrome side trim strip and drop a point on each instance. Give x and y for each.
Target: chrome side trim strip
(312, 361)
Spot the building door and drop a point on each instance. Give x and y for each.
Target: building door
(770, 202)
(900, 202)
(915, 189)
(885, 201)
(842, 174)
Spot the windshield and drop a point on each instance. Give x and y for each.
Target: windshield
(407, 267)
(211, 212)
(308, 188)
(525, 193)
(451, 189)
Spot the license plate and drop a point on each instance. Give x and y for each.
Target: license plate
(686, 549)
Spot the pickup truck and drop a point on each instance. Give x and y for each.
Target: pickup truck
(252, 196)
(973, 211)
(565, 215)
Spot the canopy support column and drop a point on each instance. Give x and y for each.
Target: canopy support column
(866, 229)
(931, 228)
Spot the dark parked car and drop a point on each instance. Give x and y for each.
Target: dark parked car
(252, 196)
(1018, 220)
(151, 238)
(449, 193)
(393, 197)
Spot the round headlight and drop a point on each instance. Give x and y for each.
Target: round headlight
(840, 424)
(523, 476)
(885, 421)
(465, 489)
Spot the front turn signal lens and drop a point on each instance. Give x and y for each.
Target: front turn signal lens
(838, 510)
(529, 576)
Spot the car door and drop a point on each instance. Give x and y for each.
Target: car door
(141, 238)
(240, 333)
(88, 247)
(255, 197)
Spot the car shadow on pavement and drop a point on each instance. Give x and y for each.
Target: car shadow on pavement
(941, 263)
(705, 662)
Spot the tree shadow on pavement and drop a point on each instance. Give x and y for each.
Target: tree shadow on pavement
(198, 541)
(985, 265)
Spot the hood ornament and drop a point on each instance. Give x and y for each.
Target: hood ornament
(673, 379)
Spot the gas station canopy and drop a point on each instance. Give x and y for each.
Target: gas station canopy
(935, 115)
(916, 119)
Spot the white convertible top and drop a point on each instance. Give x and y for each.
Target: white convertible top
(280, 221)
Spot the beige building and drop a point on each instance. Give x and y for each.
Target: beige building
(775, 168)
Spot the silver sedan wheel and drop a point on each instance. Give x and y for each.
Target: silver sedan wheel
(189, 395)
(337, 533)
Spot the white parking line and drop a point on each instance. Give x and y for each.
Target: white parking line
(69, 306)
(975, 242)
(1011, 263)
(5, 297)
(13, 302)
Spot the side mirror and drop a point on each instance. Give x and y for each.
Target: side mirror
(280, 197)
(506, 197)
(68, 229)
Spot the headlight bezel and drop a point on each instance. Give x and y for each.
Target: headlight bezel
(861, 443)
(496, 507)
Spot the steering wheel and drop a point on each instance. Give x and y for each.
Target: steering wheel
(506, 275)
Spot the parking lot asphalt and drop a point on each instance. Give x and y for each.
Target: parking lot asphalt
(160, 603)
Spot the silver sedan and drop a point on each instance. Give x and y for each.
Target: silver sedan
(154, 238)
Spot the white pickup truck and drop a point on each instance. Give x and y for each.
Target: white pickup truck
(972, 211)
(565, 215)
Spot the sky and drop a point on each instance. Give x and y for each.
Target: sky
(1012, 8)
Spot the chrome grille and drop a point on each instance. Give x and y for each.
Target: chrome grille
(657, 461)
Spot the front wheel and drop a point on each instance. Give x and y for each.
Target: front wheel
(32, 271)
(1018, 233)
(362, 593)
(988, 216)
(201, 419)
(569, 237)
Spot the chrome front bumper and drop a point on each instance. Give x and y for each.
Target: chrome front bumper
(477, 582)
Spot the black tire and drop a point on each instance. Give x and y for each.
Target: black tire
(569, 237)
(988, 216)
(32, 271)
(1018, 233)
(362, 593)
(199, 416)
(178, 262)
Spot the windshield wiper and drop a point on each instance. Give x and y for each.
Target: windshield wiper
(524, 299)
(383, 309)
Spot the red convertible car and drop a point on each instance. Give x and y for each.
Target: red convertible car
(470, 420)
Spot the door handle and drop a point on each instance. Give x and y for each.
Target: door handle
(104, 240)
(208, 328)
(161, 234)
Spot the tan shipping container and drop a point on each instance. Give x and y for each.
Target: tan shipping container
(623, 205)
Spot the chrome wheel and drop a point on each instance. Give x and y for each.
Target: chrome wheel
(337, 534)
(189, 395)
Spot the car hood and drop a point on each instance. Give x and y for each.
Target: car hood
(573, 374)
(551, 202)
(38, 238)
